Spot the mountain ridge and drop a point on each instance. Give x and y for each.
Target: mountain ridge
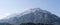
(35, 15)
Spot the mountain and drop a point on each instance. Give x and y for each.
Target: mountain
(35, 15)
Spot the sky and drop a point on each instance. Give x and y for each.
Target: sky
(7, 7)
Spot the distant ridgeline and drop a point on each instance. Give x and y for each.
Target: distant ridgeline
(34, 16)
(5, 24)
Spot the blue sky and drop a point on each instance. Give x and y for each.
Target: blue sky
(8, 7)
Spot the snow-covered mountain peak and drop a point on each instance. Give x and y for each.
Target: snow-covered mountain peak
(34, 15)
(34, 10)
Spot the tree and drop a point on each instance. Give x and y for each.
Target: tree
(34, 24)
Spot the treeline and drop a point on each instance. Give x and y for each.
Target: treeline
(34, 24)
